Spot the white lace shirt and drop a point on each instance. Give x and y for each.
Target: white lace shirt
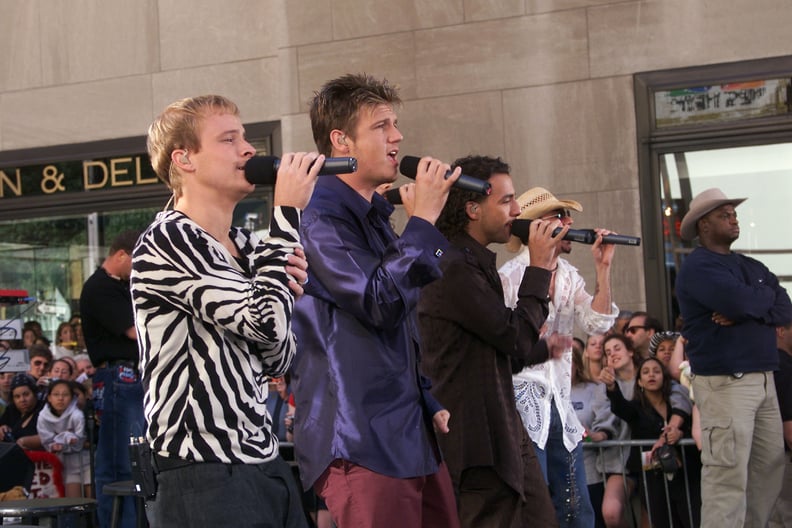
(536, 386)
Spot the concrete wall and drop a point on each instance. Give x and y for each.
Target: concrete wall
(546, 84)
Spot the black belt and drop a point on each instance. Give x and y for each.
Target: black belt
(163, 463)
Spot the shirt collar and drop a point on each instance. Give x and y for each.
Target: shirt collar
(358, 205)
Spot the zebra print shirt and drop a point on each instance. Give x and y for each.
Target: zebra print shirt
(209, 333)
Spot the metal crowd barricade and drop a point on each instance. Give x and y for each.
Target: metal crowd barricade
(629, 444)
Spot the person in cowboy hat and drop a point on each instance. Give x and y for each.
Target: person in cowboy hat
(551, 422)
(731, 305)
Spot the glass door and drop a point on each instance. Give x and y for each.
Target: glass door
(51, 257)
(760, 173)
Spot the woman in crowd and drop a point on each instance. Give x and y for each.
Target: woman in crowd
(593, 410)
(619, 367)
(61, 369)
(65, 341)
(593, 355)
(28, 337)
(18, 423)
(649, 413)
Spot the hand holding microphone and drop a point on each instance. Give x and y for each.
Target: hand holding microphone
(409, 167)
(262, 170)
(295, 175)
(520, 229)
(403, 195)
(433, 181)
(543, 242)
(296, 179)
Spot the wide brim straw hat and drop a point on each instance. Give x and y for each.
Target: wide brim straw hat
(702, 204)
(535, 203)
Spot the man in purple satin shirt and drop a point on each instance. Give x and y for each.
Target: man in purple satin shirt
(365, 420)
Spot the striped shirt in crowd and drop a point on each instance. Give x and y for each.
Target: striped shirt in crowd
(211, 328)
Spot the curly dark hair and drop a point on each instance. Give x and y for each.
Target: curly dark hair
(454, 220)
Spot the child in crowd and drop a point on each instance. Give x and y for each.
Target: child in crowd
(61, 426)
(661, 346)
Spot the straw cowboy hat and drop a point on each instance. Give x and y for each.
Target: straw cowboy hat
(535, 203)
(703, 203)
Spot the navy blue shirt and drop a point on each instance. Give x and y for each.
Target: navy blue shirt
(359, 395)
(743, 290)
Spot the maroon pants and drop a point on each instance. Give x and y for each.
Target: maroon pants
(359, 497)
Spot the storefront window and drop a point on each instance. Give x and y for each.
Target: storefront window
(52, 257)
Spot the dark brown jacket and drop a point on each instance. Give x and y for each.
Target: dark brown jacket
(469, 338)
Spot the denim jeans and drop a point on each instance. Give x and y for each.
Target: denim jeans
(565, 474)
(118, 399)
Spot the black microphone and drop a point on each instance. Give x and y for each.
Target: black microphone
(409, 167)
(262, 170)
(393, 196)
(519, 229)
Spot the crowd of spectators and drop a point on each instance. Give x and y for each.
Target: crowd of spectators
(43, 409)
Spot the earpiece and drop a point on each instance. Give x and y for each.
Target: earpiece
(184, 158)
(342, 140)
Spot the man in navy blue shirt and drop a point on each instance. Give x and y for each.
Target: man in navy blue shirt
(365, 420)
(731, 305)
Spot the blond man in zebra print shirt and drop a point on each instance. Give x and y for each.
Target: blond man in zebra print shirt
(213, 307)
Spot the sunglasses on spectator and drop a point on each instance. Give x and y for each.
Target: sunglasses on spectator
(633, 329)
(39, 363)
(561, 214)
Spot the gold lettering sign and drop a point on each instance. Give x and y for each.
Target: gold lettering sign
(76, 176)
(5, 182)
(89, 174)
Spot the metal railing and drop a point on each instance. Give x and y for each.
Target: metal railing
(623, 445)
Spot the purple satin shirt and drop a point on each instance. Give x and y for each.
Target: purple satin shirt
(358, 392)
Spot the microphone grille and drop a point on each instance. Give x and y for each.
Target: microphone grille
(520, 228)
(261, 170)
(409, 166)
(393, 196)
